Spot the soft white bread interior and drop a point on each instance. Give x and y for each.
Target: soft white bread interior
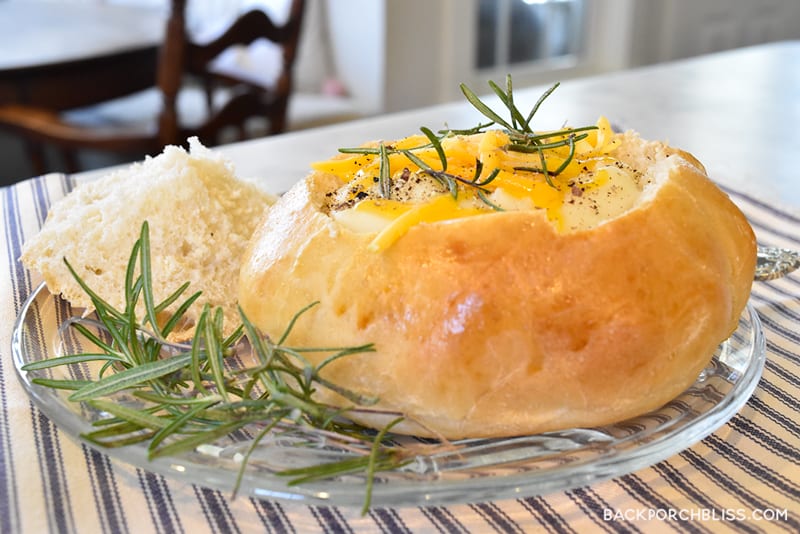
(498, 323)
(199, 215)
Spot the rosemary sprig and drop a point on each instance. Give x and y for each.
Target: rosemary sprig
(176, 397)
(436, 143)
(541, 100)
(522, 138)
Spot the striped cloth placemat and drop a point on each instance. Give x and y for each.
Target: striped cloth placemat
(745, 477)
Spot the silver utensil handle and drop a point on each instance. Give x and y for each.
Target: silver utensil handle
(774, 262)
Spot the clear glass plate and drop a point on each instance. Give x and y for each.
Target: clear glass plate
(479, 470)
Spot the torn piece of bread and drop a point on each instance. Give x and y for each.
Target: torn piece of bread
(200, 218)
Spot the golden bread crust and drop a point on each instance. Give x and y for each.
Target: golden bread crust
(498, 325)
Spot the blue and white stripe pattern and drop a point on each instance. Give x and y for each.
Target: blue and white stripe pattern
(743, 478)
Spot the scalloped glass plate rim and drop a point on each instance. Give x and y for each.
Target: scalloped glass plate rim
(603, 461)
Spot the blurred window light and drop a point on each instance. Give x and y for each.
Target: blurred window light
(513, 32)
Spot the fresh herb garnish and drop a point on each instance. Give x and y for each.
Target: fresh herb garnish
(521, 135)
(178, 396)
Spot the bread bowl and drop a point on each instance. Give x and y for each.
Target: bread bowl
(533, 302)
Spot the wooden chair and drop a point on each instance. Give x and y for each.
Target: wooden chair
(179, 60)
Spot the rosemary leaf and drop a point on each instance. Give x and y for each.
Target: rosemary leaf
(191, 442)
(195, 353)
(132, 340)
(125, 441)
(360, 150)
(385, 178)
(131, 283)
(539, 102)
(487, 181)
(488, 202)
(375, 455)
(174, 321)
(253, 445)
(176, 424)
(543, 161)
(313, 473)
(61, 384)
(507, 98)
(163, 305)
(69, 360)
(468, 131)
(234, 337)
(290, 326)
(447, 180)
(130, 378)
(212, 344)
(147, 279)
(569, 158)
(369, 347)
(570, 140)
(97, 301)
(101, 344)
(437, 145)
(473, 99)
(181, 401)
(109, 318)
(130, 415)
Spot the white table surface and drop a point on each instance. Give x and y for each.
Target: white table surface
(736, 111)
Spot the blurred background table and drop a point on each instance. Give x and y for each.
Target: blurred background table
(101, 50)
(736, 111)
(56, 56)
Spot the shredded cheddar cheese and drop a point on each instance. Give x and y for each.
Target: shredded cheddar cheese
(561, 180)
